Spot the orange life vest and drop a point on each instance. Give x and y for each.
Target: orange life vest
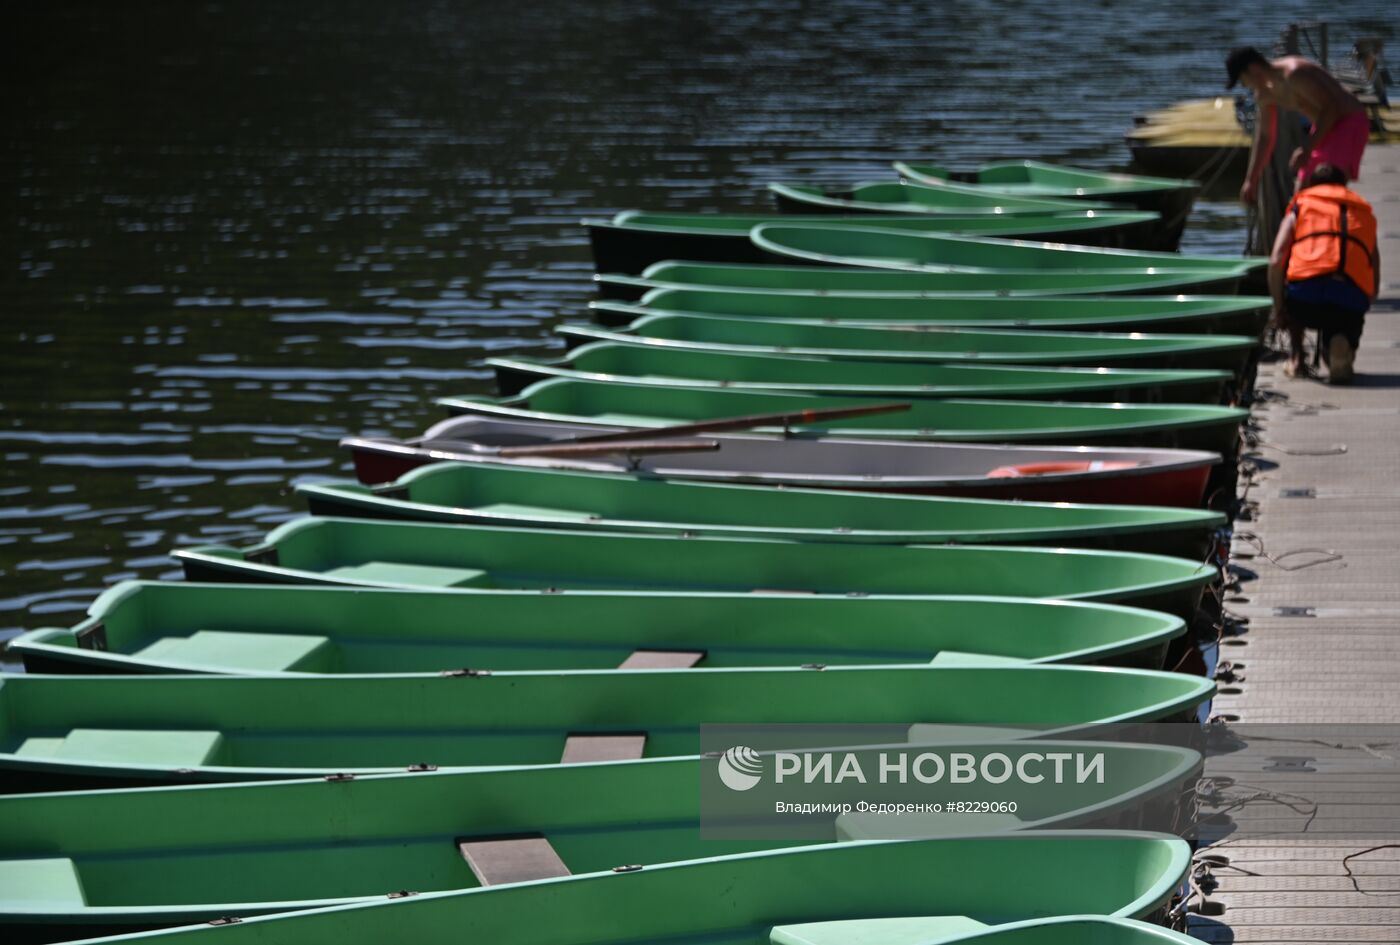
(1335, 232)
(1051, 469)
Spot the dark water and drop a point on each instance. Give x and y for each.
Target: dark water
(245, 230)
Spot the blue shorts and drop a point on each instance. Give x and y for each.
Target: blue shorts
(1331, 291)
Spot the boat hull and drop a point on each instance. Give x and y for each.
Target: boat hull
(1228, 315)
(630, 249)
(482, 559)
(483, 494)
(1007, 347)
(1172, 200)
(1124, 477)
(904, 251)
(1169, 426)
(1160, 232)
(827, 280)
(176, 627)
(991, 878)
(101, 731)
(678, 368)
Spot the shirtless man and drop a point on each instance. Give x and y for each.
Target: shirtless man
(1340, 127)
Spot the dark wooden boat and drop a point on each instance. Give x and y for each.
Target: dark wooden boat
(1041, 473)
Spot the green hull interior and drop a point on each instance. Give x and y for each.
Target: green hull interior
(218, 628)
(1112, 313)
(567, 499)
(977, 880)
(161, 856)
(478, 558)
(631, 363)
(1000, 347)
(1038, 179)
(902, 197)
(109, 731)
(894, 249)
(993, 283)
(1066, 219)
(997, 421)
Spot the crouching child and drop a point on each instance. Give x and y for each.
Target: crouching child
(1325, 271)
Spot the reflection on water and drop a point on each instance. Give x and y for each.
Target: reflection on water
(248, 229)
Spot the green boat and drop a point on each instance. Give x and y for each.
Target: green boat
(900, 250)
(78, 863)
(885, 204)
(179, 627)
(78, 732)
(991, 283)
(1170, 197)
(861, 892)
(1228, 314)
(918, 343)
(1178, 426)
(634, 239)
(904, 197)
(1036, 179)
(480, 558)
(678, 367)
(484, 494)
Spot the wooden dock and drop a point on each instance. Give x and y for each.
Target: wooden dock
(1318, 558)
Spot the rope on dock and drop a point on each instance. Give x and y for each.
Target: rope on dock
(1328, 554)
(1352, 876)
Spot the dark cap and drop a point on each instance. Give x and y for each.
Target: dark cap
(1240, 59)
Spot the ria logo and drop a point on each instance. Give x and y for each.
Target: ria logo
(740, 768)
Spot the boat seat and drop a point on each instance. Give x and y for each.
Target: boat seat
(48, 882)
(909, 826)
(175, 749)
(619, 746)
(513, 510)
(497, 860)
(256, 652)
(958, 658)
(422, 575)
(910, 930)
(662, 659)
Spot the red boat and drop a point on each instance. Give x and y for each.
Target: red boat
(1042, 473)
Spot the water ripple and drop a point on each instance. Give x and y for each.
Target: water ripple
(246, 231)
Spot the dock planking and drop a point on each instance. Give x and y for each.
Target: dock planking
(1323, 601)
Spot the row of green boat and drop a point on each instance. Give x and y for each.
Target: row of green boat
(1164, 314)
(1142, 214)
(1033, 276)
(470, 701)
(988, 889)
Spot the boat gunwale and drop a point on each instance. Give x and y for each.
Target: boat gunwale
(242, 560)
(1142, 184)
(1219, 264)
(1156, 895)
(40, 641)
(432, 445)
(1164, 518)
(1194, 692)
(819, 197)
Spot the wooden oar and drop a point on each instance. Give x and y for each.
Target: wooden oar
(743, 423)
(573, 447)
